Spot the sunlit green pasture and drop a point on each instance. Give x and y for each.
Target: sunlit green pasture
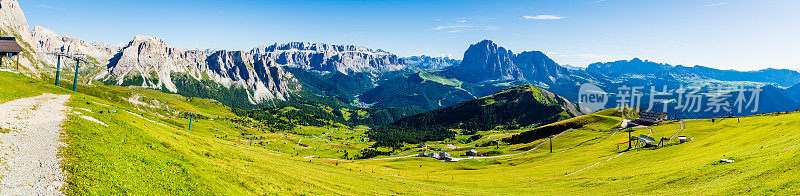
(150, 150)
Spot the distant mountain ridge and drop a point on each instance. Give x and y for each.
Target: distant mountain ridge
(428, 62)
(794, 92)
(570, 67)
(781, 77)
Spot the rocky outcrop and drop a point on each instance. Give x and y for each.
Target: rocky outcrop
(485, 61)
(14, 24)
(37, 43)
(45, 40)
(154, 62)
(267, 80)
(151, 59)
(427, 62)
(12, 17)
(329, 58)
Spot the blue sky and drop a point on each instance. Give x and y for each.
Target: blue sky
(727, 34)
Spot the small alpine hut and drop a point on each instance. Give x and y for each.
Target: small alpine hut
(472, 152)
(650, 117)
(9, 48)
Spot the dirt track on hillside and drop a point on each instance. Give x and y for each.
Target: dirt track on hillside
(30, 143)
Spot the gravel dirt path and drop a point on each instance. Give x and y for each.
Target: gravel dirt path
(30, 143)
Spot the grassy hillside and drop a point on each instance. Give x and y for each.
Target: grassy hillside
(518, 106)
(609, 119)
(147, 149)
(422, 89)
(144, 152)
(589, 162)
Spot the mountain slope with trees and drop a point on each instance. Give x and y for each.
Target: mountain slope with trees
(524, 105)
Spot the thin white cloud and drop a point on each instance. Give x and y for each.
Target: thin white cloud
(678, 42)
(717, 4)
(462, 28)
(50, 7)
(596, 2)
(462, 25)
(543, 17)
(488, 28)
(440, 27)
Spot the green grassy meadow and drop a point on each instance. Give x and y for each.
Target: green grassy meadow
(147, 149)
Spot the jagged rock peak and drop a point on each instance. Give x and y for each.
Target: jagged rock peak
(486, 61)
(12, 17)
(149, 43)
(47, 41)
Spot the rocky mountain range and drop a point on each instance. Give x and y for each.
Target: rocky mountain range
(150, 59)
(46, 40)
(328, 58)
(149, 62)
(355, 75)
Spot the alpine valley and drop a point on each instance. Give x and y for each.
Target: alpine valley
(148, 117)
